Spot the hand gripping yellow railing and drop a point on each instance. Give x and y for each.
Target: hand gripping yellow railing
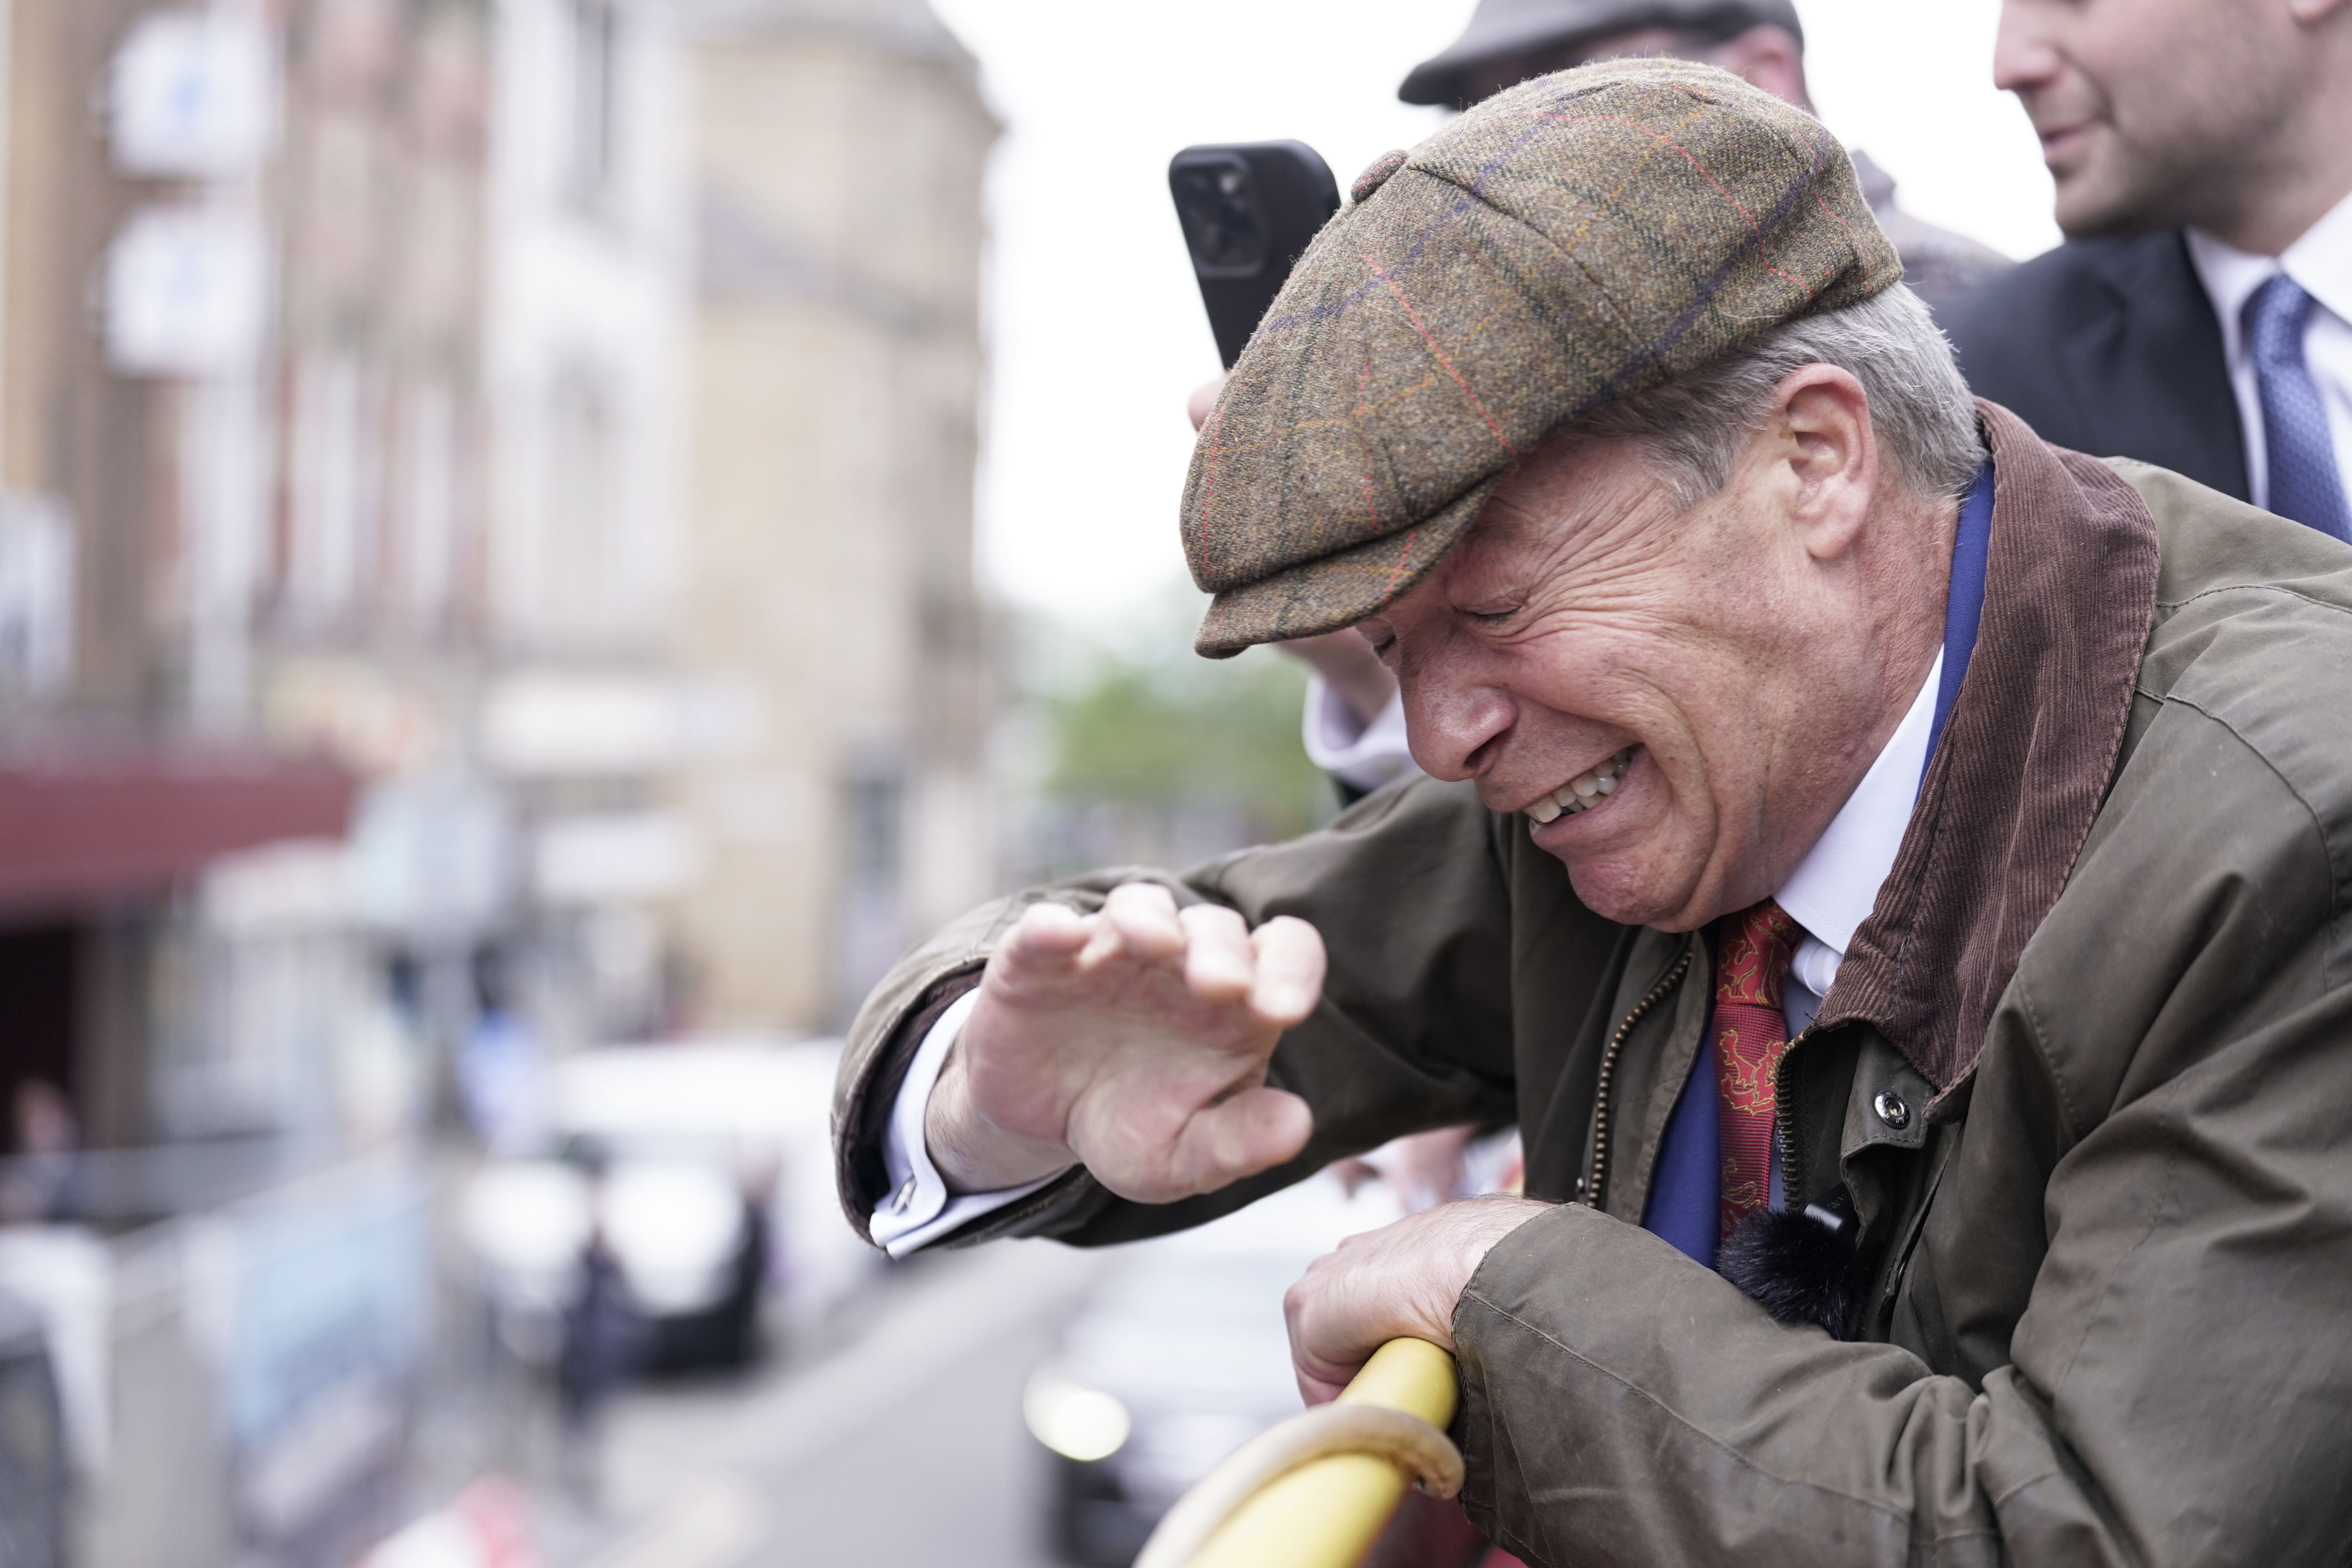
(1315, 1490)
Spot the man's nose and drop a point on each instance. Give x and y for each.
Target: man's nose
(2023, 57)
(1455, 727)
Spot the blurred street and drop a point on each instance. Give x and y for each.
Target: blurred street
(902, 1444)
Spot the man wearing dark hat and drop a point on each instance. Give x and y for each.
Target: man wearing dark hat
(1893, 872)
(1759, 41)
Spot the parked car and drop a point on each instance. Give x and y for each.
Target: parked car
(704, 1172)
(1178, 1357)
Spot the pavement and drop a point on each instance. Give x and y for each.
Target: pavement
(903, 1445)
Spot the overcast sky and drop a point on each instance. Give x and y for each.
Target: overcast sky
(1095, 325)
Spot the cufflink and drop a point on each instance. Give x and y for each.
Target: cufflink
(904, 1197)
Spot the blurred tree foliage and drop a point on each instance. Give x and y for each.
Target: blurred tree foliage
(1165, 736)
(1134, 749)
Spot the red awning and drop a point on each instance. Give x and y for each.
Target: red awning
(89, 821)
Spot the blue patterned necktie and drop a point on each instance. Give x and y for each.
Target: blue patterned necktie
(2305, 484)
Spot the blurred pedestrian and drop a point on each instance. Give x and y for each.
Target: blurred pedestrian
(37, 1187)
(2199, 316)
(502, 1076)
(605, 1339)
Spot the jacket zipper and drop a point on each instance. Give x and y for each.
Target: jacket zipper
(1599, 1170)
(1784, 1119)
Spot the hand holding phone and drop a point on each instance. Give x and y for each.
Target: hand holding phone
(1248, 210)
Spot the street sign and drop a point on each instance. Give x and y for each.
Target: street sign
(186, 291)
(194, 95)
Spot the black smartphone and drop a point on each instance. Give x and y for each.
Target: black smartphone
(1248, 209)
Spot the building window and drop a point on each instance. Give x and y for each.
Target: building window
(331, 483)
(594, 102)
(428, 499)
(580, 537)
(37, 597)
(869, 920)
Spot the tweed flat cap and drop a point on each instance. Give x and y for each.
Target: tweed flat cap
(1499, 29)
(1576, 240)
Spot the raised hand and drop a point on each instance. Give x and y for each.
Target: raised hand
(1133, 1041)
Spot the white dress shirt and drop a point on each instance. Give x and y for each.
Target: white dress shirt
(1362, 755)
(1830, 894)
(920, 1209)
(2321, 261)
(1832, 889)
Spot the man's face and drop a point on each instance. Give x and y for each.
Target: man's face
(2149, 112)
(1682, 668)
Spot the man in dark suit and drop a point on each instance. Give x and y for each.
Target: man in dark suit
(2199, 316)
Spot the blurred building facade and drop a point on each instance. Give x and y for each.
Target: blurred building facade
(339, 368)
(485, 540)
(558, 415)
(837, 164)
(134, 433)
(340, 363)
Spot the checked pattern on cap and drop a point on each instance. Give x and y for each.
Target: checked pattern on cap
(1580, 238)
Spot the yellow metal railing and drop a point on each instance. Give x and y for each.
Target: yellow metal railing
(1315, 1491)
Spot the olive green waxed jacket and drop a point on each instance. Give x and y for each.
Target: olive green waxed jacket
(2086, 1072)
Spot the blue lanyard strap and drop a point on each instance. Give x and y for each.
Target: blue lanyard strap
(1963, 606)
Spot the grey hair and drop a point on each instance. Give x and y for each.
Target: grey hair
(1921, 409)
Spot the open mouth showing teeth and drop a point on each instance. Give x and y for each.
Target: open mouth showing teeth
(1585, 791)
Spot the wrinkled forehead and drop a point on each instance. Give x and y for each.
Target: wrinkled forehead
(1574, 480)
(1523, 536)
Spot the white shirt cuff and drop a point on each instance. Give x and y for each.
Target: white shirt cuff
(1365, 756)
(920, 1209)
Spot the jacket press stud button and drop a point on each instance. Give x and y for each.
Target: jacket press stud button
(1891, 1110)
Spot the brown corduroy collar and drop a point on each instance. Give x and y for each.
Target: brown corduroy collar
(2070, 595)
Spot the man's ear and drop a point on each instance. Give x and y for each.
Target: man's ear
(1825, 438)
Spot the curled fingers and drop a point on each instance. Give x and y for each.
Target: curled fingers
(1289, 980)
(1141, 917)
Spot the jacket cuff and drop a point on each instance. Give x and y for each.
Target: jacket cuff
(859, 1172)
(1559, 1277)
(1621, 1403)
(1068, 1201)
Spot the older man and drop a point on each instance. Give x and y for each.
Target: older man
(1354, 729)
(1867, 848)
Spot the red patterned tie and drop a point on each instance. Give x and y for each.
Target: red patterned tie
(1751, 1032)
